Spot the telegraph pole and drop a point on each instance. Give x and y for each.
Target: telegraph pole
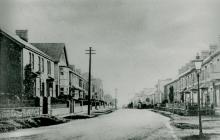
(116, 94)
(90, 52)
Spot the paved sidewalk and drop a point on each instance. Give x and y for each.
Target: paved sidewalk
(186, 127)
(84, 112)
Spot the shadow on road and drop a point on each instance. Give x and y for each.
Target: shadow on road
(197, 137)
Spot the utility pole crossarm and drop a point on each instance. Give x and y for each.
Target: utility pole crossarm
(90, 53)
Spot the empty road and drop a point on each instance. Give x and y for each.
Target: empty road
(123, 124)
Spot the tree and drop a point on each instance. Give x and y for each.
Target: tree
(28, 81)
(171, 94)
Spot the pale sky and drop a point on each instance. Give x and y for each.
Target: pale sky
(137, 41)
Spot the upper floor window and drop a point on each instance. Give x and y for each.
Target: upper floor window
(48, 67)
(39, 63)
(42, 64)
(31, 60)
(80, 82)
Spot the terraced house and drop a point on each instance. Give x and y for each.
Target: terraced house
(61, 65)
(78, 85)
(26, 72)
(183, 90)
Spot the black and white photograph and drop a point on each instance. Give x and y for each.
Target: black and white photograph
(109, 69)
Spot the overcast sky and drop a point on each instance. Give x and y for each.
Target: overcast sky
(137, 41)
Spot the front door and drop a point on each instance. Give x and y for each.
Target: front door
(45, 105)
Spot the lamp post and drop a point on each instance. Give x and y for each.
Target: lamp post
(198, 65)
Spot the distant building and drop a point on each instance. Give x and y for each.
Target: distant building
(78, 84)
(97, 92)
(144, 97)
(160, 95)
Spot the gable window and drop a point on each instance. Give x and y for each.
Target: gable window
(61, 71)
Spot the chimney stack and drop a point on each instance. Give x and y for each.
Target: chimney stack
(205, 54)
(23, 34)
(213, 48)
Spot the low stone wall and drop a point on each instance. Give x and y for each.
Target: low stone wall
(188, 111)
(65, 110)
(60, 111)
(7, 113)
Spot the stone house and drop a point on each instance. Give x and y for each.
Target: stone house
(41, 68)
(11, 73)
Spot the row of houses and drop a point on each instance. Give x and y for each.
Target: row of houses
(39, 74)
(181, 93)
(183, 90)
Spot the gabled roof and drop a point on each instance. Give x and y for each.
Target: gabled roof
(53, 49)
(25, 44)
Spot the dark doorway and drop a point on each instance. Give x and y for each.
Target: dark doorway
(45, 105)
(56, 90)
(42, 89)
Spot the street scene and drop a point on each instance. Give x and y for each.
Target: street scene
(109, 70)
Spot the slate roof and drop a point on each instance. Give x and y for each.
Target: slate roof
(25, 44)
(52, 49)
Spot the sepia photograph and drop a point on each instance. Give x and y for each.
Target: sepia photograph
(109, 69)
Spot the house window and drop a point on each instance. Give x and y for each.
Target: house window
(42, 64)
(32, 61)
(80, 83)
(61, 91)
(39, 63)
(29, 58)
(48, 67)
